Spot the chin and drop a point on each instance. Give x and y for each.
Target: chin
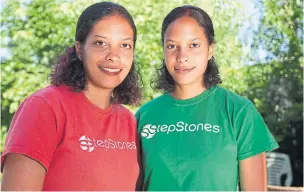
(184, 81)
(109, 85)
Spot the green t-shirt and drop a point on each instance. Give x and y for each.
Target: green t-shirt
(196, 144)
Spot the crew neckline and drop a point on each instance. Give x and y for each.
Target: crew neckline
(95, 108)
(194, 100)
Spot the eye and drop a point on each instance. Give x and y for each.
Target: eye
(127, 46)
(171, 46)
(194, 45)
(100, 43)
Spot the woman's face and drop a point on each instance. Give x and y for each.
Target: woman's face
(107, 54)
(186, 51)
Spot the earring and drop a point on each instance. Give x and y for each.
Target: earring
(78, 56)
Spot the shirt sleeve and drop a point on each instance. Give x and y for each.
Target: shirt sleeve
(253, 136)
(33, 132)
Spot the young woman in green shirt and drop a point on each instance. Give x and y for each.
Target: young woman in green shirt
(198, 135)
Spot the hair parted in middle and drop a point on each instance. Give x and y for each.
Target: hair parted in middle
(163, 80)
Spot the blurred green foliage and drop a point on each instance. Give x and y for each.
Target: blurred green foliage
(37, 31)
(275, 84)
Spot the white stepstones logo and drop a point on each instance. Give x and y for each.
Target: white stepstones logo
(86, 144)
(150, 130)
(89, 145)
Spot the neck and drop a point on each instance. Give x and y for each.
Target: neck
(99, 97)
(187, 91)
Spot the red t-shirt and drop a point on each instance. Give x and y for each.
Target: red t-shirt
(82, 146)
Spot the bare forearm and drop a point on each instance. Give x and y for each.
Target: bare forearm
(20, 173)
(253, 173)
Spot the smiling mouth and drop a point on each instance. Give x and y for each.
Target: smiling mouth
(110, 71)
(183, 70)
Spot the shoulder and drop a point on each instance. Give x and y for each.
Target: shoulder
(54, 97)
(228, 97)
(53, 94)
(236, 106)
(41, 96)
(154, 104)
(52, 91)
(37, 106)
(124, 112)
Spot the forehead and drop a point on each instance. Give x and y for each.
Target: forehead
(183, 27)
(112, 25)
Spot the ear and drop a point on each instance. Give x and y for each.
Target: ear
(210, 51)
(78, 47)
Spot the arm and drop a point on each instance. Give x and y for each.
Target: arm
(30, 143)
(140, 179)
(253, 140)
(22, 173)
(253, 174)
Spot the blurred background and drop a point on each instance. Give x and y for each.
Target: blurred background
(259, 50)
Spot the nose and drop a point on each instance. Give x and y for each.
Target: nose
(113, 55)
(182, 55)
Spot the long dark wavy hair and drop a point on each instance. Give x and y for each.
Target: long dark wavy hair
(163, 80)
(69, 68)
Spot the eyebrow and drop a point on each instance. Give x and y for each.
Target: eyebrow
(129, 38)
(195, 39)
(170, 40)
(124, 39)
(100, 36)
